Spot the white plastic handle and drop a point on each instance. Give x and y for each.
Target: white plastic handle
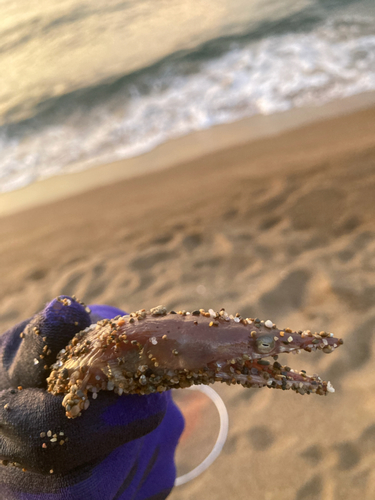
(221, 438)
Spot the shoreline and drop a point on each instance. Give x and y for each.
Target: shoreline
(179, 151)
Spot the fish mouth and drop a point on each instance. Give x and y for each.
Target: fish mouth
(262, 373)
(255, 370)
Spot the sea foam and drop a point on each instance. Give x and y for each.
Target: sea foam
(269, 75)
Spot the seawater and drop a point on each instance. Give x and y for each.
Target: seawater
(85, 83)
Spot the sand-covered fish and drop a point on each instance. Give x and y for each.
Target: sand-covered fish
(153, 351)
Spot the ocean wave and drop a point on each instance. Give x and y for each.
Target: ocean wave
(220, 82)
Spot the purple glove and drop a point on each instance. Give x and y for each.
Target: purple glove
(122, 448)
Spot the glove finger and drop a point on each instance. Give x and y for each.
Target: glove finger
(9, 345)
(37, 436)
(160, 476)
(99, 311)
(31, 347)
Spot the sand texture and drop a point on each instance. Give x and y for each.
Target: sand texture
(282, 229)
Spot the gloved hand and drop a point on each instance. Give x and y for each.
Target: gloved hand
(121, 448)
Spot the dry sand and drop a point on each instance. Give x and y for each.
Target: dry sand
(282, 228)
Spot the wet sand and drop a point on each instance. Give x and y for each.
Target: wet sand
(176, 152)
(282, 228)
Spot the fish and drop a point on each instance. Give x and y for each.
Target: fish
(153, 351)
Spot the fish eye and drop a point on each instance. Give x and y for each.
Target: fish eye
(265, 344)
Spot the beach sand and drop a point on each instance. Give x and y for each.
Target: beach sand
(281, 228)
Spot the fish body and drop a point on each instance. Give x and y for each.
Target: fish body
(152, 351)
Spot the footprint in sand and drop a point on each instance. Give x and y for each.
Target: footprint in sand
(360, 242)
(162, 239)
(230, 214)
(348, 225)
(313, 454)
(354, 291)
(311, 490)
(269, 223)
(37, 274)
(274, 202)
(230, 446)
(320, 208)
(348, 474)
(210, 262)
(260, 437)
(192, 241)
(150, 259)
(69, 283)
(97, 284)
(348, 456)
(356, 352)
(287, 296)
